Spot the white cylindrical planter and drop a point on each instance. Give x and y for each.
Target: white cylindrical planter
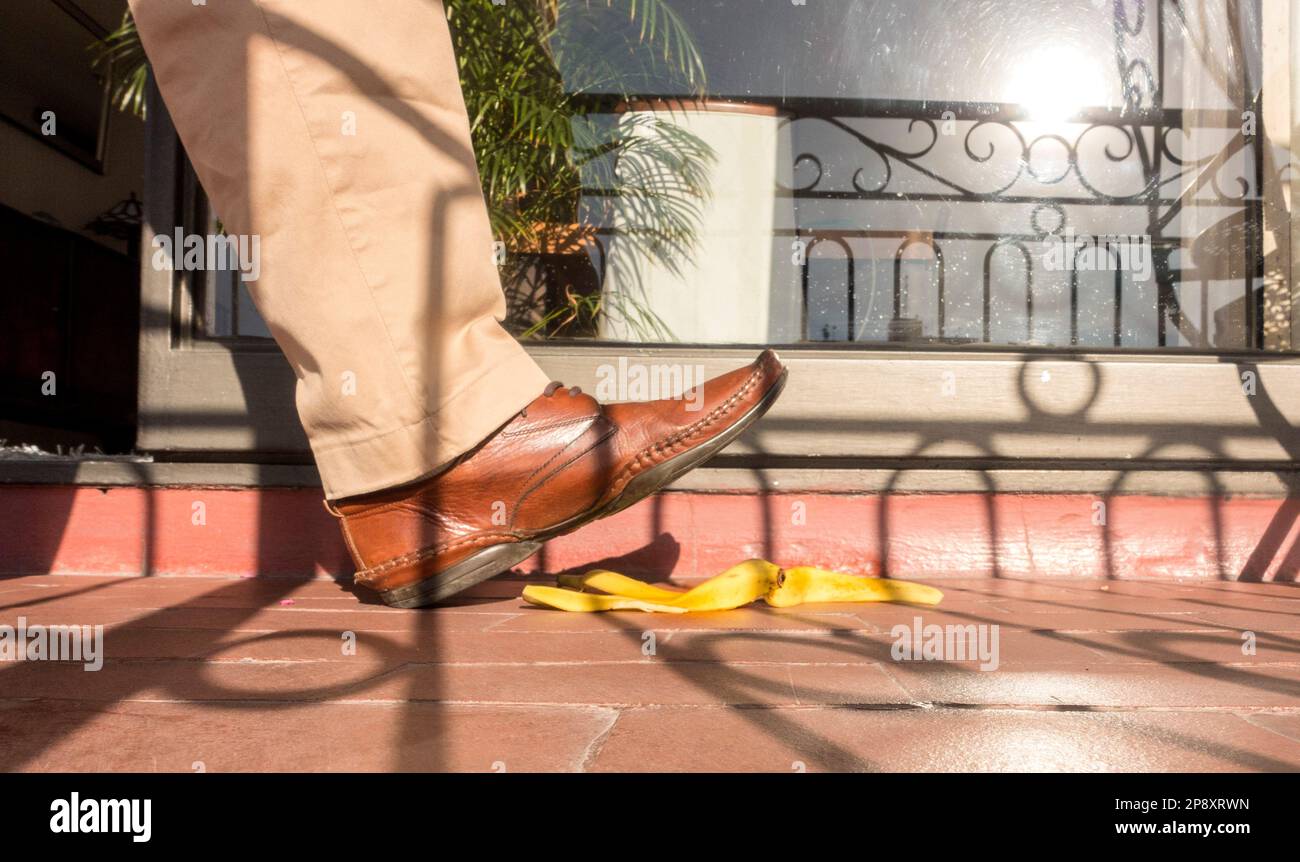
(742, 282)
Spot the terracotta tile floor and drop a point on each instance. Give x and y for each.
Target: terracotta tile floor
(228, 675)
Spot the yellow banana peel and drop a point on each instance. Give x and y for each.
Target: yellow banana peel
(618, 585)
(741, 584)
(809, 585)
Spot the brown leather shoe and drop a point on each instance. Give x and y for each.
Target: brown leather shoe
(562, 461)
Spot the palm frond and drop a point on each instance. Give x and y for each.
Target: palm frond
(526, 67)
(121, 55)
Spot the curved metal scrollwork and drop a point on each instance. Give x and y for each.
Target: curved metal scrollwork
(1136, 71)
(1028, 174)
(938, 156)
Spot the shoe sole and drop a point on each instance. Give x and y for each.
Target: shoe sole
(496, 559)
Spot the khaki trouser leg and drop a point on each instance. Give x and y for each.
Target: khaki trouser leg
(335, 131)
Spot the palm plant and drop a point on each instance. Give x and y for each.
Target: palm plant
(531, 71)
(122, 55)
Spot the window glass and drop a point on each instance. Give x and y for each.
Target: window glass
(1066, 174)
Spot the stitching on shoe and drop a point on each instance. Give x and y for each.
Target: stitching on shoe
(591, 420)
(407, 503)
(432, 551)
(674, 440)
(609, 432)
(560, 424)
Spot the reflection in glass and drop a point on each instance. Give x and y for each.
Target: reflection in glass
(1086, 174)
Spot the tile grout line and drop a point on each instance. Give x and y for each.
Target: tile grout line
(1248, 717)
(892, 677)
(864, 706)
(597, 743)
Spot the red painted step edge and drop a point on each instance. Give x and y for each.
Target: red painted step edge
(286, 532)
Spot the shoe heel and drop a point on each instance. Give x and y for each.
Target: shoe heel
(475, 569)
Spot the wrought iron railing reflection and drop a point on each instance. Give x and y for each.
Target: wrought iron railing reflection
(1144, 139)
(1054, 177)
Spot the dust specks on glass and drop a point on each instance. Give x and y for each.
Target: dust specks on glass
(1064, 174)
(1073, 174)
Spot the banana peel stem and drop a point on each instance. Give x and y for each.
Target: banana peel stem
(738, 586)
